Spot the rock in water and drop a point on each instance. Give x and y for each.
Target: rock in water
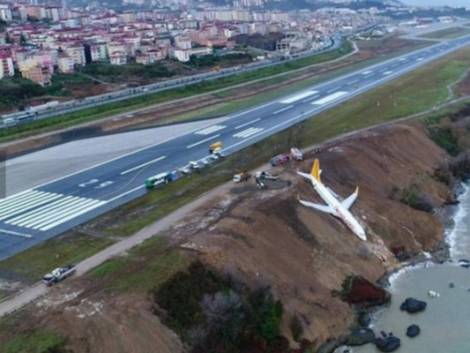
(412, 305)
(364, 319)
(389, 343)
(360, 336)
(413, 331)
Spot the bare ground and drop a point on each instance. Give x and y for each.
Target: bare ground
(268, 238)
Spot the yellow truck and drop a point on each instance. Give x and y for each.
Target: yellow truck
(216, 147)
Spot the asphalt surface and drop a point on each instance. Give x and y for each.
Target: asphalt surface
(31, 216)
(52, 162)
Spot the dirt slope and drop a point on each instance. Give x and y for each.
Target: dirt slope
(267, 237)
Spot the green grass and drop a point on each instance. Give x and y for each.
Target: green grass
(416, 92)
(448, 33)
(39, 341)
(91, 114)
(33, 263)
(145, 267)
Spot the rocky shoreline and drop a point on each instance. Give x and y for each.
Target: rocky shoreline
(361, 333)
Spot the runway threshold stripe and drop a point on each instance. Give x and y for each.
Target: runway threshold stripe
(75, 212)
(202, 141)
(39, 211)
(29, 204)
(12, 202)
(51, 212)
(143, 165)
(66, 219)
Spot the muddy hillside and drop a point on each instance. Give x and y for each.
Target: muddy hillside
(267, 237)
(252, 239)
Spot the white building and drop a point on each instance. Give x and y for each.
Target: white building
(5, 13)
(77, 53)
(6, 66)
(66, 64)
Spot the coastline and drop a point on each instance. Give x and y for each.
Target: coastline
(449, 215)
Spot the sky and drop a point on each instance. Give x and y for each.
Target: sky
(455, 3)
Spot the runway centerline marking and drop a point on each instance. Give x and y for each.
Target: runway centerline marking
(202, 141)
(143, 165)
(283, 109)
(247, 123)
(209, 130)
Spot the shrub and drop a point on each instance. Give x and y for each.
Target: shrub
(296, 328)
(181, 296)
(414, 198)
(444, 138)
(460, 166)
(213, 315)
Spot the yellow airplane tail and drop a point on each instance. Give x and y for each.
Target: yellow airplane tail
(316, 170)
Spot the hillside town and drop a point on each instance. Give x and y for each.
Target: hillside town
(37, 41)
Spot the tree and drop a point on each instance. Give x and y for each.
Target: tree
(8, 39)
(3, 25)
(22, 40)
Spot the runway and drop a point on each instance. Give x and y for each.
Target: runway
(33, 215)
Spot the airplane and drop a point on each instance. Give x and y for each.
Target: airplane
(334, 206)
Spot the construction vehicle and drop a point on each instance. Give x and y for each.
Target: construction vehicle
(58, 275)
(264, 175)
(296, 154)
(241, 177)
(216, 147)
(260, 178)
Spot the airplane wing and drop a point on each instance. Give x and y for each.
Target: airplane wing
(323, 208)
(333, 193)
(347, 203)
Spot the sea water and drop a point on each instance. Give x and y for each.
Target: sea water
(445, 324)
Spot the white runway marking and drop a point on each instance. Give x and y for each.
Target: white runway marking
(55, 213)
(386, 73)
(248, 132)
(420, 59)
(246, 124)
(16, 234)
(298, 97)
(22, 202)
(209, 130)
(330, 98)
(311, 98)
(202, 141)
(282, 109)
(143, 165)
(367, 72)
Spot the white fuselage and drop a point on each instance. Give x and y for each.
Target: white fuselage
(339, 211)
